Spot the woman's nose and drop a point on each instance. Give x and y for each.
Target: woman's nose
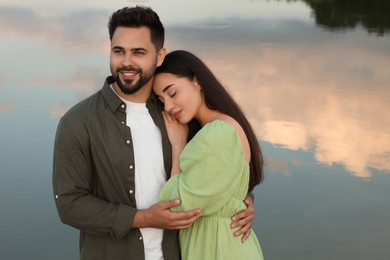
(168, 106)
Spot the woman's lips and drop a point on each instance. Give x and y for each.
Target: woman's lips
(177, 114)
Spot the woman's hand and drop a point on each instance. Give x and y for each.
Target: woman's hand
(177, 134)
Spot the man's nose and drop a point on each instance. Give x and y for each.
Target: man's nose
(127, 60)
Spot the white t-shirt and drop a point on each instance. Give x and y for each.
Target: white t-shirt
(149, 170)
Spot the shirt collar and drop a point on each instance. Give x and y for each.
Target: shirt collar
(112, 99)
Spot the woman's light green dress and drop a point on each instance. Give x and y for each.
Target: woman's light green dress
(215, 179)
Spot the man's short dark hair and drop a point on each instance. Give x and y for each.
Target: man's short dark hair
(135, 17)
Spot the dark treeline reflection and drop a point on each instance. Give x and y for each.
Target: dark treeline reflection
(340, 15)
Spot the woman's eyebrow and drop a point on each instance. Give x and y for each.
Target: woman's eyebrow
(167, 87)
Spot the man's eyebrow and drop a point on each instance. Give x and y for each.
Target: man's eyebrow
(167, 87)
(118, 47)
(138, 49)
(132, 49)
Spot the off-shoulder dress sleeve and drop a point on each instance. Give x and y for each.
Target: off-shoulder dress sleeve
(212, 164)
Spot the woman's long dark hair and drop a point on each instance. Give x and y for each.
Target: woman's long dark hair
(185, 64)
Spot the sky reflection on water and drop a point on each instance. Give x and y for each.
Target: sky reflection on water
(318, 100)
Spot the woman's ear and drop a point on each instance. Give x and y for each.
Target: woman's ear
(196, 83)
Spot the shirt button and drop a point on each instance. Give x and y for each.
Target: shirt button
(123, 122)
(131, 167)
(123, 106)
(140, 238)
(128, 141)
(131, 191)
(56, 196)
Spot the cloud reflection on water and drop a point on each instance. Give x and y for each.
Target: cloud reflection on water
(314, 100)
(313, 93)
(301, 89)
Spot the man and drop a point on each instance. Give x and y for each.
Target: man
(112, 154)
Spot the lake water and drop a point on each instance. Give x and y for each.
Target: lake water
(313, 77)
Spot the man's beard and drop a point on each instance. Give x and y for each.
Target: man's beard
(126, 87)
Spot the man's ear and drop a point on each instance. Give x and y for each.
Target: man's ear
(161, 56)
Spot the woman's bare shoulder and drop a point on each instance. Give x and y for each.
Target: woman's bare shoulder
(244, 140)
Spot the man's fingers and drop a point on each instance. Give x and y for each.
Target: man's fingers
(242, 230)
(245, 236)
(179, 220)
(248, 201)
(239, 217)
(243, 220)
(241, 223)
(189, 216)
(183, 220)
(169, 204)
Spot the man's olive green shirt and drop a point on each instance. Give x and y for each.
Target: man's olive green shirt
(93, 177)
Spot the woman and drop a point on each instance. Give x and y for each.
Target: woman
(218, 167)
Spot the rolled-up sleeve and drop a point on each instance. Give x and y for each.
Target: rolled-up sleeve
(72, 185)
